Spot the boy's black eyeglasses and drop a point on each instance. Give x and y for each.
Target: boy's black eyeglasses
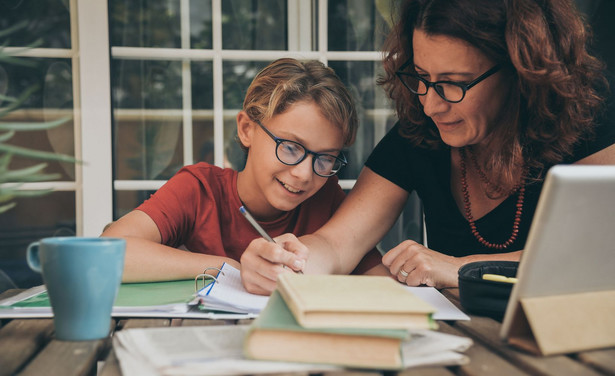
(292, 153)
(450, 91)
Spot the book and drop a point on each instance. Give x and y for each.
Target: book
(276, 335)
(349, 301)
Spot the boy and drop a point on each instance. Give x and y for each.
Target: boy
(296, 119)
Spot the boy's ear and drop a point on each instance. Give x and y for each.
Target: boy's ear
(245, 129)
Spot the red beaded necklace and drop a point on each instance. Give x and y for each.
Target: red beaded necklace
(468, 208)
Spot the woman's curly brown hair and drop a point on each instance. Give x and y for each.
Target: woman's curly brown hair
(541, 45)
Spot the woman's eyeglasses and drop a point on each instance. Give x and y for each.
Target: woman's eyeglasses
(450, 91)
(292, 153)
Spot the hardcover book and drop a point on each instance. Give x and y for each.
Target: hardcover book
(349, 301)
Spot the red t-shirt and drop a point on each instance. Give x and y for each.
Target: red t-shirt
(199, 209)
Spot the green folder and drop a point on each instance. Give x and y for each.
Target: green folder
(149, 294)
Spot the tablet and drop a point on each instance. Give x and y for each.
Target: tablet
(571, 244)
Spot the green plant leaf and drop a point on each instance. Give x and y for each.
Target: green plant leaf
(7, 136)
(30, 126)
(11, 181)
(22, 98)
(7, 207)
(14, 28)
(8, 193)
(29, 174)
(5, 98)
(36, 154)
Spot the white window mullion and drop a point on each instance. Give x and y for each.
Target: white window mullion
(323, 30)
(77, 124)
(186, 84)
(95, 115)
(299, 26)
(218, 84)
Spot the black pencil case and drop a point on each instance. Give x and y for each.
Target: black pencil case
(484, 297)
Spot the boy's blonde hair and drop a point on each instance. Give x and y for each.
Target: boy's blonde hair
(288, 81)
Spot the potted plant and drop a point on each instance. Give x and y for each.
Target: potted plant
(11, 180)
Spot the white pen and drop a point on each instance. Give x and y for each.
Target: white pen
(258, 228)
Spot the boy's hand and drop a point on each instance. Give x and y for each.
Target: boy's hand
(263, 261)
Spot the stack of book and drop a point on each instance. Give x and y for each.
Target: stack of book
(353, 321)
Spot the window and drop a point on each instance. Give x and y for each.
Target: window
(180, 70)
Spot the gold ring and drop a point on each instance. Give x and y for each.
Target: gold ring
(403, 273)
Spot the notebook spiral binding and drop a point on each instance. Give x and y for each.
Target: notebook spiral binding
(204, 276)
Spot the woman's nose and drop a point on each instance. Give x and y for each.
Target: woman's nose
(433, 103)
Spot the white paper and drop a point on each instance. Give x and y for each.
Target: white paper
(445, 310)
(228, 294)
(217, 350)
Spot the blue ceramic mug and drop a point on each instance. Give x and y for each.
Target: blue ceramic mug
(82, 276)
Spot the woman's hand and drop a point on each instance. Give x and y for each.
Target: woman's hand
(263, 261)
(422, 265)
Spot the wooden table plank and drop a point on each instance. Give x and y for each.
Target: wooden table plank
(483, 362)
(67, 358)
(20, 340)
(350, 373)
(487, 330)
(602, 360)
(205, 322)
(426, 371)
(143, 323)
(111, 366)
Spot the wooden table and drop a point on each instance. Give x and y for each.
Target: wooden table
(28, 347)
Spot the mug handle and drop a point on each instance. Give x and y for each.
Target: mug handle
(32, 257)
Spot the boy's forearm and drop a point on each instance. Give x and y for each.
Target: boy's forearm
(147, 261)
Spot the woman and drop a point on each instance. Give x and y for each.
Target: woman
(490, 94)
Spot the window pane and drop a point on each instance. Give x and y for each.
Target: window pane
(202, 85)
(372, 105)
(126, 201)
(147, 148)
(52, 99)
(202, 138)
(237, 78)
(147, 132)
(47, 21)
(202, 111)
(200, 24)
(32, 219)
(145, 23)
(254, 24)
(234, 156)
(357, 25)
(146, 84)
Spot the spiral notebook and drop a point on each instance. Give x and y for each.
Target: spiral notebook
(226, 293)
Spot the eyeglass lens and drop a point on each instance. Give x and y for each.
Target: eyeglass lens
(448, 91)
(292, 153)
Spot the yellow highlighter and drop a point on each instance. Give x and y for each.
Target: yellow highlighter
(499, 278)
